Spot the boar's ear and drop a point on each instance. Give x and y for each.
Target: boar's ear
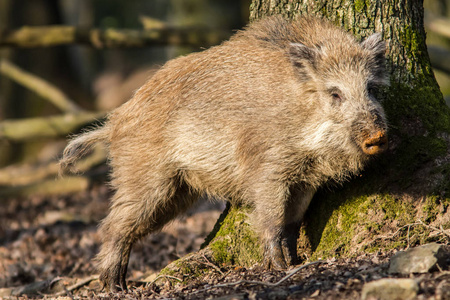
(375, 44)
(301, 55)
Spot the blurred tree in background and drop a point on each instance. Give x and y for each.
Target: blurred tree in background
(90, 75)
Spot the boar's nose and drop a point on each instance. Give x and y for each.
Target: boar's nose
(375, 144)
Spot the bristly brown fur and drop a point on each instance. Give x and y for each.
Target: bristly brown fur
(263, 119)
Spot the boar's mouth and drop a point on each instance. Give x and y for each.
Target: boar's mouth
(375, 143)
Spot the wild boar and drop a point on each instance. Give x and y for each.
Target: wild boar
(262, 120)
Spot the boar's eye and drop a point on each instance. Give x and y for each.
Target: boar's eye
(335, 95)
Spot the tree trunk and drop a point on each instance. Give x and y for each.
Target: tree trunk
(402, 197)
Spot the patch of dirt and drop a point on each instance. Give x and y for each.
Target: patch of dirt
(55, 238)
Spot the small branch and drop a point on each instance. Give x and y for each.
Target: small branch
(163, 276)
(439, 230)
(31, 289)
(75, 286)
(407, 237)
(296, 270)
(208, 263)
(46, 36)
(41, 87)
(397, 231)
(45, 127)
(270, 284)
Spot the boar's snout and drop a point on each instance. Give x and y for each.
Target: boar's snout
(375, 143)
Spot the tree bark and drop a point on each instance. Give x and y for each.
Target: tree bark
(379, 210)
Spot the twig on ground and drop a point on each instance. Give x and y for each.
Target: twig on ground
(50, 283)
(225, 275)
(440, 230)
(270, 284)
(407, 236)
(400, 229)
(296, 270)
(75, 286)
(163, 276)
(68, 293)
(442, 272)
(208, 263)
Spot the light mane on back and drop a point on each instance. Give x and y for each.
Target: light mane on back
(277, 32)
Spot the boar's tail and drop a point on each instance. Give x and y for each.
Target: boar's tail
(79, 146)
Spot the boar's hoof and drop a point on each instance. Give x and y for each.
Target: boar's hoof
(274, 258)
(113, 281)
(375, 144)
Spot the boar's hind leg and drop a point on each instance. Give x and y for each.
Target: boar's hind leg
(277, 217)
(131, 218)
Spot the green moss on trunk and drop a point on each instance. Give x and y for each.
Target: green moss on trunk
(368, 223)
(233, 241)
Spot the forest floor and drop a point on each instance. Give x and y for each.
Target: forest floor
(51, 241)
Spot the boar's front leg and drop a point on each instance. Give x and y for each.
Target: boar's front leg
(278, 222)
